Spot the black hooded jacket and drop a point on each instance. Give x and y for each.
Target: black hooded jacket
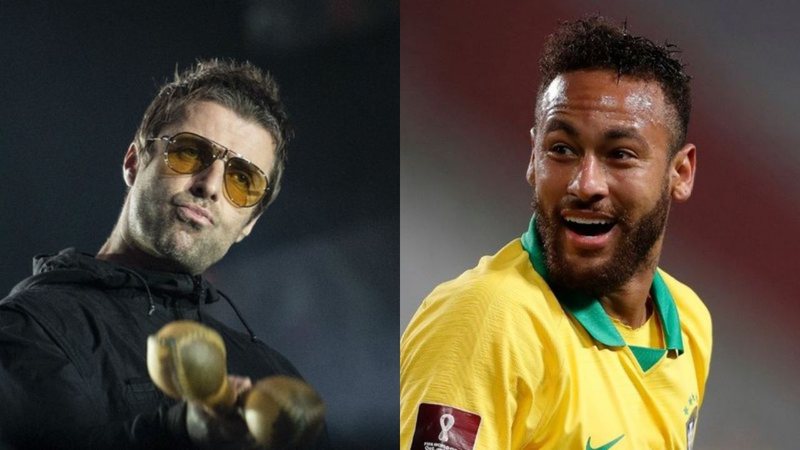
(73, 345)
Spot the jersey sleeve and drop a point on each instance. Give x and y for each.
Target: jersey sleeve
(474, 353)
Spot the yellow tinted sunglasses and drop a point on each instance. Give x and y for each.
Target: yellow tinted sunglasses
(189, 153)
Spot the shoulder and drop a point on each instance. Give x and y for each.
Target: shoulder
(485, 343)
(497, 320)
(60, 309)
(499, 299)
(40, 305)
(49, 299)
(18, 317)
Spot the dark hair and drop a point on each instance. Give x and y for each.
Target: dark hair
(593, 43)
(242, 87)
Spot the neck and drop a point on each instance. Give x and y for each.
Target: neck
(631, 303)
(121, 248)
(117, 249)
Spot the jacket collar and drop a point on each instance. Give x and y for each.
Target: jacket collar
(70, 266)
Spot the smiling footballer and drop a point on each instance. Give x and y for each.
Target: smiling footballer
(571, 337)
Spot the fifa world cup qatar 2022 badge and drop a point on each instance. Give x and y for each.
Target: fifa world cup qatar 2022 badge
(442, 427)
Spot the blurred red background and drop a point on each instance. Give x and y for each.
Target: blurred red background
(468, 82)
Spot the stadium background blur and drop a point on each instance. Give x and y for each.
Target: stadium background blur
(468, 81)
(318, 277)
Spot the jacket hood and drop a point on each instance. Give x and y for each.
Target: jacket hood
(72, 267)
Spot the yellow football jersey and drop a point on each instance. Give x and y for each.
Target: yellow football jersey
(494, 360)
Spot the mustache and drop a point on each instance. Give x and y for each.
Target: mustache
(576, 203)
(602, 206)
(191, 200)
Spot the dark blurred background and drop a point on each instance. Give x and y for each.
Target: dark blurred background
(468, 81)
(318, 277)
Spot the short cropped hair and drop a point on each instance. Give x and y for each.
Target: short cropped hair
(593, 43)
(244, 88)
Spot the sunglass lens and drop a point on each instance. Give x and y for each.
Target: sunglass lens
(244, 183)
(188, 154)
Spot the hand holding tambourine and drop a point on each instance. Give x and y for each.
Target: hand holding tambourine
(187, 361)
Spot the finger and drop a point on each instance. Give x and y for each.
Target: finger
(283, 412)
(214, 429)
(240, 384)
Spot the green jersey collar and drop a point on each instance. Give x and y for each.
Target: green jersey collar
(590, 313)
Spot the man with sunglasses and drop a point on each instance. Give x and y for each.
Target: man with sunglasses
(205, 163)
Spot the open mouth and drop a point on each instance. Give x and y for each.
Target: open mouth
(589, 227)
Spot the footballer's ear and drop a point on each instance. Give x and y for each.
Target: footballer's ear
(682, 170)
(530, 173)
(130, 164)
(249, 227)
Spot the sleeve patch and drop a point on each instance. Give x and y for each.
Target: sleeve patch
(442, 427)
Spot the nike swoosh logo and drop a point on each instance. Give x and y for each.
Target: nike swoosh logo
(603, 447)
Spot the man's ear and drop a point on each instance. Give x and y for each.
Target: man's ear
(530, 174)
(130, 164)
(682, 170)
(249, 227)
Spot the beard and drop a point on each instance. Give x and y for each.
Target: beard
(190, 251)
(157, 227)
(633, 251)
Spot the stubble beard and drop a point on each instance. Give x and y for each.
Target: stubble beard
(190, 251)
(187, 246)
(633, 253)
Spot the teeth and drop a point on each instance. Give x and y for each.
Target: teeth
(583, 221)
